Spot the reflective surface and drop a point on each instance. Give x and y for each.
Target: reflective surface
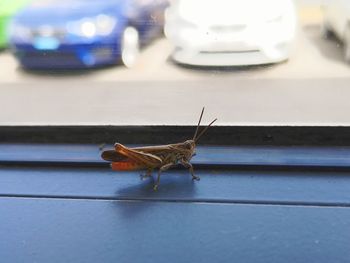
(309, 88)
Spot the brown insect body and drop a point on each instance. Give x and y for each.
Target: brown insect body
(149, 158)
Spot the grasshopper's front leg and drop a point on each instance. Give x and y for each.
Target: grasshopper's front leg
(190, 167)
(161, 169)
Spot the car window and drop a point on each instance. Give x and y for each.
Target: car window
(121, 62)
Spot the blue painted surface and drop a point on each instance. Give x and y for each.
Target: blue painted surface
(80, 214)
(246, 156)
(330, 188)
(120, 231)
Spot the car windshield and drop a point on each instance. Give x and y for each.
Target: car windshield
(143, 62)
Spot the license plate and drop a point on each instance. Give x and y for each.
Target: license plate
(46, 43)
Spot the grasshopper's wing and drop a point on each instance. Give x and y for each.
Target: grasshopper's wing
(113, 156)
(146, 159)
(155, 150)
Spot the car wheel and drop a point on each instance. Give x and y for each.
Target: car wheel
(347, 44)
(130, 46)
(326, 31)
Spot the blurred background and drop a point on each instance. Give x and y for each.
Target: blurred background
(158, 62)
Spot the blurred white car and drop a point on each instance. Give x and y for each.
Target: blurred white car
(337, 21)
(230, 32)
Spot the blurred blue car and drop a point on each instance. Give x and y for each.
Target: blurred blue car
(84, 33)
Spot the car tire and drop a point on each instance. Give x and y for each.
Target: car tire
(130, 46)
(326, 31)
(347, 44)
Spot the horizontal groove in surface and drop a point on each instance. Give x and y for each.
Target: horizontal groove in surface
(240, 156)
(164, 134)
(321, 188)
(202, 201)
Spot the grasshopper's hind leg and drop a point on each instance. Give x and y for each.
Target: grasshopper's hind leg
(190, 167)
(147, 174)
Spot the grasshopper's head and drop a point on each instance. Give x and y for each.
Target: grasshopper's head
(190, 145)
(189, 149)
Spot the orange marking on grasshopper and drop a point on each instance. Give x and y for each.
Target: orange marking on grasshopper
(126, 166)
(151, 157)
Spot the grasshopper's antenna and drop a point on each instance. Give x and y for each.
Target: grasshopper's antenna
(206, 128)
(199, 122)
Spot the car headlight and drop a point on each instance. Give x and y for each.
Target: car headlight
(101, 25)
(88, 29)
(105, 24)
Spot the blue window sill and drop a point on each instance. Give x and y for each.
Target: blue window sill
(62, 203)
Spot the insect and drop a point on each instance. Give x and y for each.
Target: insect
(149, 158)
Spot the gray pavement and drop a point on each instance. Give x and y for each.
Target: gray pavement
(312, 88)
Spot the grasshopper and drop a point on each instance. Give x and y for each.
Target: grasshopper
(149, 158)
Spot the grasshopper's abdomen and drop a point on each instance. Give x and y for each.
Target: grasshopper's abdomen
(127, 166)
